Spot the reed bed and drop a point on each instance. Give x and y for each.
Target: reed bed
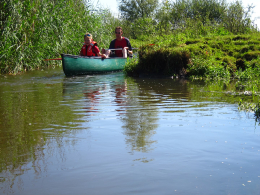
(42, 29)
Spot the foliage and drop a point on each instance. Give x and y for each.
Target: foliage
(163, 18)
(197, 9)
(237, 19)
(37, 30)
(134, 9)
(130, 66)
(107, 28)
(192, 18)
(142, 27)
(211, 57)
(218, 14)
(163, 61)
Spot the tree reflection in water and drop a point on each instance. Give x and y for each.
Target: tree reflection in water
(144, 100)
(34, 124)
(40, 119)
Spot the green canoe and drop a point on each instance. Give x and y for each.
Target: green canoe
(77, 65)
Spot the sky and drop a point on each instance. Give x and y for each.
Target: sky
(113, 6)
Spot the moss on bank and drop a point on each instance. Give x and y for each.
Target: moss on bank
(229, 56)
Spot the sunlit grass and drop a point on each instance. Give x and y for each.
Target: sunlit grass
(213, 57)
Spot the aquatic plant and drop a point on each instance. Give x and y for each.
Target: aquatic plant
(130, 67)
(257, 112)
(250, 107)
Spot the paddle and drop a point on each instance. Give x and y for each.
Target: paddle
(52, 59)
(120, 49)
(114, 49)
(105, 50)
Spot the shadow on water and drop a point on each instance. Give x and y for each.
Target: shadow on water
(43, 113)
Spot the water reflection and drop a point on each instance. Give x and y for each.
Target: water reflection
(146, 99)
(116, 93)
(31, 118)
(90, 132)
(94, 89)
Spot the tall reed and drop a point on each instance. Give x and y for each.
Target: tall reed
(33, 30)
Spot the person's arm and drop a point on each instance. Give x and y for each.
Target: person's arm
(129, 46)
(106, 52)
(97, 51)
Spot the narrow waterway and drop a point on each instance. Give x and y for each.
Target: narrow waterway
(114, 135)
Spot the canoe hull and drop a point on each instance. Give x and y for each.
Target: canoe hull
(77, 65)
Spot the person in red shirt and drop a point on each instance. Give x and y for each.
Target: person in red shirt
(90, 47)
(121, 43)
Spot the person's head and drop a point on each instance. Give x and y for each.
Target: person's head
(87, 38)
(119, 32)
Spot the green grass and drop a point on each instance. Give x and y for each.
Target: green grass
(213, 57)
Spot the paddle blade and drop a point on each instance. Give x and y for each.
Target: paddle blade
(53, 59)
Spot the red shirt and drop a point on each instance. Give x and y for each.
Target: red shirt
(120, 44)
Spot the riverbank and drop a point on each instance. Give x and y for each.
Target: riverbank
(34, 31)
(212, 57)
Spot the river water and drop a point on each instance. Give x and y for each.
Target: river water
(111, 134)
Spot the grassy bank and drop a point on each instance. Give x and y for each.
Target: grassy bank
(218, 57)
(215, 57)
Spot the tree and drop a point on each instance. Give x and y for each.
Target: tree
(134, 9)
(203, 10)
(163, 17)
(237, 19)
(217, 13)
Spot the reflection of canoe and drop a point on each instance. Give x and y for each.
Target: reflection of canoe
(76, 65)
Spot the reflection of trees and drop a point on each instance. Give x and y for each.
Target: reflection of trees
(140, 119)
(222, 91)
(139, 128)
(144, 99)
(31, 116)
(139, 123)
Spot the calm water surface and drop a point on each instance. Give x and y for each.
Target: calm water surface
(108, 134)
